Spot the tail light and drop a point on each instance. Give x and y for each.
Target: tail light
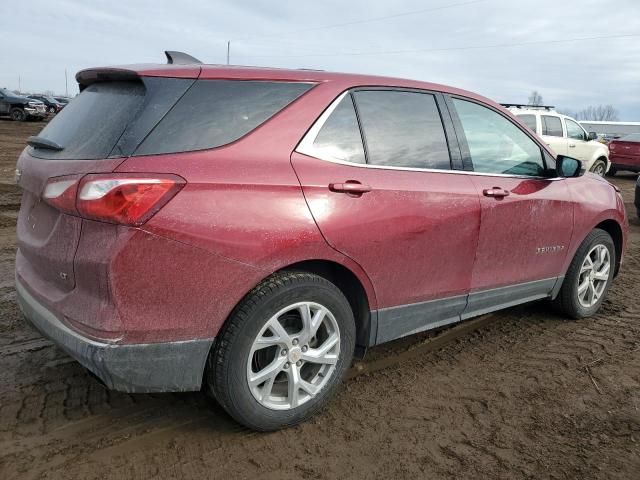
(127, 199)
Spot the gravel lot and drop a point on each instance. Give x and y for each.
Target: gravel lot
(519, 394)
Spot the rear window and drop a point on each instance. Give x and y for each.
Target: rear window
(529, 121)
(402, 129)
(90, 126)
(551, 126)
(217, 112)
(111, 119)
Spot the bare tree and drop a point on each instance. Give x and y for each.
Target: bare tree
(535, 99)
(601, 113)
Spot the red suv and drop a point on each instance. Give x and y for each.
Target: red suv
(251, 229)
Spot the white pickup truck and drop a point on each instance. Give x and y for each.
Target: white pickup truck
(565, 136)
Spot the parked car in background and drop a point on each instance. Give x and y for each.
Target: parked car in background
(242, 230)
(564, 135)
(637, 197)
(53, 106)
(611, 129)
(63, 100)
(625, 153)
(19, 107)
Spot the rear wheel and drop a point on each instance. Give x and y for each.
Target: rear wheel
(283, 351)
(18, 115)
(589, 276)
(599, 167)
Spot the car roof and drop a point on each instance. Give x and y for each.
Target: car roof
(239, 72)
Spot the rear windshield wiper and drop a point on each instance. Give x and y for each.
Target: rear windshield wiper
(39, 142)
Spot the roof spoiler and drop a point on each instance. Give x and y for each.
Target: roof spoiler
(521, 105)
(180, 58)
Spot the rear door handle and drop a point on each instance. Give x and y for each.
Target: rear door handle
(572, 145)
(495, 192)
(350, 187)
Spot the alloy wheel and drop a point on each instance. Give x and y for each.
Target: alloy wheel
(293, 356)
(594, 275)
(599, 169)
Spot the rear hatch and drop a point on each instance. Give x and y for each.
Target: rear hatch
(626, 150)
(93, 134)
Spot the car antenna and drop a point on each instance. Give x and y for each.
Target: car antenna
(180, 58)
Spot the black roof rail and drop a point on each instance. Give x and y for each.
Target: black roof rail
(521, 105)
(180, 58)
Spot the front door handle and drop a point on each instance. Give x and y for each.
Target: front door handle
(572, 145)
(497, 192)
(352, 187)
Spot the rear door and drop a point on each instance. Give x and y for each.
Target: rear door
(527, 217)
(553, 133)
(393, 204)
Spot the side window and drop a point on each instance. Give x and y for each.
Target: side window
(551, 126)
(496, 144)
(339, 138)
(402, 129)
(529, 121)
(213, 113)
(574, 130)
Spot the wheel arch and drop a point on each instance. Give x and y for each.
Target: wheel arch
(614, 229)
(353, 289)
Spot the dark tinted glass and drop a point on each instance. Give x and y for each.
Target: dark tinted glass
(89, 127)
(496, 144)
(339, 138)
(529, 121)
(551, 126)
(402, 129)
(216, 112)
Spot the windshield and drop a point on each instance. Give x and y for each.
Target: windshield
(633, 137)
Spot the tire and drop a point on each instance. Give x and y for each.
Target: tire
(612, 171)
(599, 167)
(570, 300)
(234, 358)
(18, 114)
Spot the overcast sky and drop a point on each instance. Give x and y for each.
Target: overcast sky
(436, 40)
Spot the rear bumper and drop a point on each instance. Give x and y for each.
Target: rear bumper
(140, 368)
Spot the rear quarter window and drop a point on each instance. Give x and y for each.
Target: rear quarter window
(216, 112)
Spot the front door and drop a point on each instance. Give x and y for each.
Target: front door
(413, 231)
(527, 218)
(578, 142)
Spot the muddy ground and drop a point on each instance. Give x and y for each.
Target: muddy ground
(519, 394)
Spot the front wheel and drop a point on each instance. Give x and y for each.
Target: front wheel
(283, 351)
(589, 276)
(612, 171)
(18, 115)
(599, 167)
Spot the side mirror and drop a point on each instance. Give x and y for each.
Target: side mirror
(592, 136)
(568, 167)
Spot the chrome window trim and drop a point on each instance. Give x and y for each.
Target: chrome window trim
(305, 147)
